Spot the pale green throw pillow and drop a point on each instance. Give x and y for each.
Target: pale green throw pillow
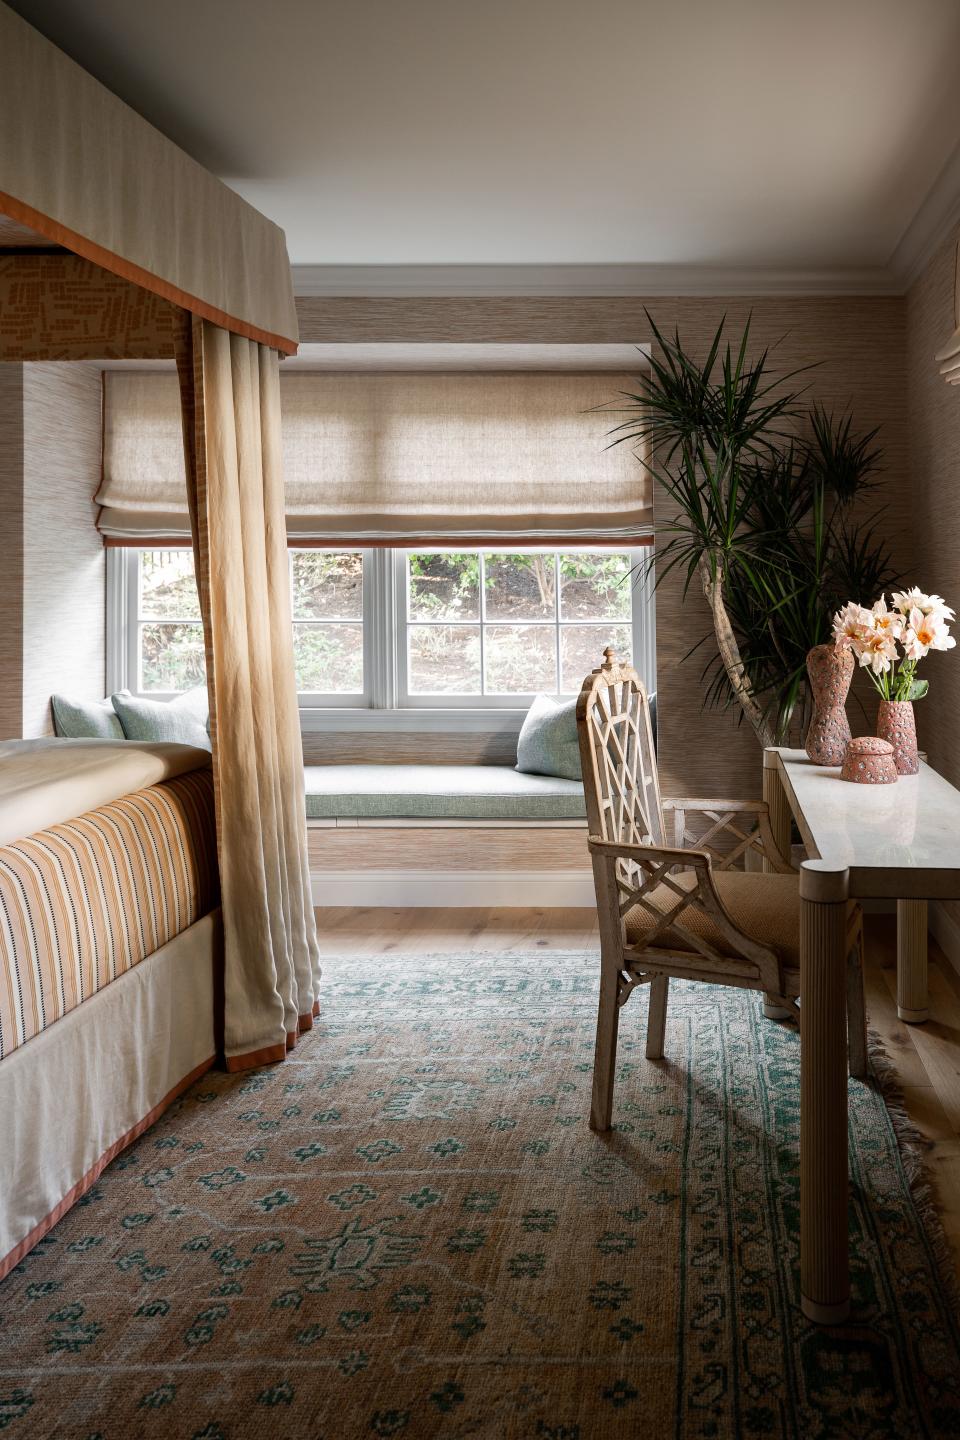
(182, 720)
(85, 719)
(547, 744)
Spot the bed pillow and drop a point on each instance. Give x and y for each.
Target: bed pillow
(547, 744)
(182, 720)
(85, 719)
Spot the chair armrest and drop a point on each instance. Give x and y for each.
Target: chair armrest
(669, 855)
(754, 834)
(729, 807)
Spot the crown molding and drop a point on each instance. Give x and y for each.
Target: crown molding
(937, 217)
(402, 281)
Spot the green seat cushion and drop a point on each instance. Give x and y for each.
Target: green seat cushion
(182, 720)
(85, 719)
(547, 744)
(438, 792)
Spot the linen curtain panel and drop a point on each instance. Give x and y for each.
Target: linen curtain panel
(231, 432)
(400, 457)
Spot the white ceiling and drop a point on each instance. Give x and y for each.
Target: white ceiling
(728, 133)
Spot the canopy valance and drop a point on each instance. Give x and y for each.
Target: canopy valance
(80, 167)
(397, 458)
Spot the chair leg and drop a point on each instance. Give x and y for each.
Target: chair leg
(605, 1054)
(657, 1016)
(856, 1011)
(773, 1011)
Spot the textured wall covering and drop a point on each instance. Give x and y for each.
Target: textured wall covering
(11, 549)
(934, 408)
(63, 557)
(860, 346)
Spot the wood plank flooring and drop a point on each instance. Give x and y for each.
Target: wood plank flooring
(926, 1057)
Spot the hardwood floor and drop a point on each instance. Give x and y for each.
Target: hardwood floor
(927, 1057)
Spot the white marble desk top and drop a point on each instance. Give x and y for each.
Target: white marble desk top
(900, 841)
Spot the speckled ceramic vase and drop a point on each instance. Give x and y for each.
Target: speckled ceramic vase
(869, 761)
(896, 723)
(830, 668)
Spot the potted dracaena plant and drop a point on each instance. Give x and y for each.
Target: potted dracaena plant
(758, 500)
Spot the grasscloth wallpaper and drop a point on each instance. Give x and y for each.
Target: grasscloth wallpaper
(858, 346)
(52, 594)
(64, 588)
(11, 550)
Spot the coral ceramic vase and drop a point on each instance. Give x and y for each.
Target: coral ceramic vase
(830, 669)
(895, 723)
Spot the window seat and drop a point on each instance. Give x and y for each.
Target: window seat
(439, 792)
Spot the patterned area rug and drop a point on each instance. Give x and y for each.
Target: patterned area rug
(408, 1230)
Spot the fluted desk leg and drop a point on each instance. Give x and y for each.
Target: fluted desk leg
(780, 825)
(824, 1241)
(912, 961)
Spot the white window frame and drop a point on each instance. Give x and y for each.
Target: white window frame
(384, 703)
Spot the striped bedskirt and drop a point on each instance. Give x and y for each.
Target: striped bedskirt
(85, 901)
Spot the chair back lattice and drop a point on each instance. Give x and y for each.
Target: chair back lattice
(620, 783)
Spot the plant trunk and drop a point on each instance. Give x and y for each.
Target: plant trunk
(712, 582)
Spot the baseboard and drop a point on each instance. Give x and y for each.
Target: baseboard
(946, 932)
(397, 889)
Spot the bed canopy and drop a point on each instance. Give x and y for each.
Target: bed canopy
(114, 244)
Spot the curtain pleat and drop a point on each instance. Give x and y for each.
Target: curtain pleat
(230, 389)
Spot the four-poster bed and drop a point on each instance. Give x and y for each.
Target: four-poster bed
(114, 244)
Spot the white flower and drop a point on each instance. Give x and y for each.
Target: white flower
(876, 651)
(852, 625)
(915, 599)
(926, 632)
(891, 622)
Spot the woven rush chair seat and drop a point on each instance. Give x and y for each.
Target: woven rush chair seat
(680, 889)
(765, 907)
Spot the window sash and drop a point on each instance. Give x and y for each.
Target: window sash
(641, 622)
(385, 627)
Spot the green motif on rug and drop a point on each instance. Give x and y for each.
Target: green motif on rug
(359, 1254)
(408, 1229)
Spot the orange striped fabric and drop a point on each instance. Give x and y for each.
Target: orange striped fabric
(85, 901)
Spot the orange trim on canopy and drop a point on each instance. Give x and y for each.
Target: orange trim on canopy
(90, 250)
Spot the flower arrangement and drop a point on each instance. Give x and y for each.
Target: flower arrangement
(889, 643)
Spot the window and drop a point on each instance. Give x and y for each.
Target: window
(391, 629)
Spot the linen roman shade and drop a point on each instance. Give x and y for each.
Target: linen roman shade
(400, 458)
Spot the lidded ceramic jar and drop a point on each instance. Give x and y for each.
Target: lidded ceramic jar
(869, 761)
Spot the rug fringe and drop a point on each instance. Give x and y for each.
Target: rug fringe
(913, 1148)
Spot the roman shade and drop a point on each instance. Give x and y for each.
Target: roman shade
(949, 355)
(400, 458)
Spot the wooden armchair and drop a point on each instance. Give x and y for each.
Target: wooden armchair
(666, 909)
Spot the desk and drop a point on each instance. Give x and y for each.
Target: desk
(864, 842)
